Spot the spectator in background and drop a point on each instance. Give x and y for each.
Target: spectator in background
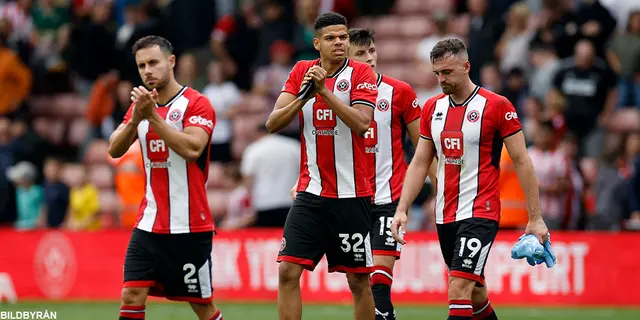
(490, 77)
(441, 20)
(513, 207)
(557, 28)
(624, 58)
(56, 194)
(187, 72)
(589, 88)
(515, 89)
(278, 21)
(92, 51)
(29, 195)
(84, 205)
(224, 95)
(15, 77)
(130, 182)
(240, 213)
(576, 205)
(235, 43)
(595, 23)
(7, 190)
(553, 172)
(29, 146)
(307, 11)
(52, 33)
(610, 191)
(268, 80)
(544, 66)
(121, 102)
(270, 167)
(21, 26)
(484, 33)
(514, 43)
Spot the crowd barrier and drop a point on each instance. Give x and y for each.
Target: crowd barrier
(592, 269)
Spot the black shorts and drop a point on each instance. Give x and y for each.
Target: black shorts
(175, 266)
(382, 241)
(338, 228)
(465, 246)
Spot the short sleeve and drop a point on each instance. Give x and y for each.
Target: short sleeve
(410, 106)
(364, 89)
(201, 114)
(509, 122)
(127, 116)
(292, 85)
(425, 119)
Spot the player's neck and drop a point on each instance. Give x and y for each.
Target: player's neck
(463, 94)
(331, 66)
(169, 92)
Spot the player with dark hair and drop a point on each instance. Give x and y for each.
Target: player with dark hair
(465, 128)
(169, 253)
(397, 110)
(334, 98)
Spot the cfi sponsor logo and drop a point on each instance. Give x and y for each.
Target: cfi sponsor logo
(201, 121)
(55, 266)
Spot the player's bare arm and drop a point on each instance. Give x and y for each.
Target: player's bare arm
(125, 135)
(413, 182)
(413, 130)
(357, 118)
(526, 176)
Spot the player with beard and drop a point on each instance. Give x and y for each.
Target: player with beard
(465, 127)
(169, 253)
(397, 111)
(334, 98)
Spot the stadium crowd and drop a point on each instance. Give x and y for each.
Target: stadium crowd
(571, 68)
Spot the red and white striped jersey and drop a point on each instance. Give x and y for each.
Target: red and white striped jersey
(333, 163)
(175, 198)
(550, 167)
(468, 138)
(396, 106)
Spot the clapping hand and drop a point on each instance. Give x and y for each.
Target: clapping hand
(145, 101)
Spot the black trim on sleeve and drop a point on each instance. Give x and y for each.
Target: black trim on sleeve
(510, 134)
(425, 137)
(365, 102)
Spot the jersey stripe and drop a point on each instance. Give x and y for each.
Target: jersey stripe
(148, 206)
(453, 122)
(471, 168)
(305, 175)
(384, 154)
(311, 152)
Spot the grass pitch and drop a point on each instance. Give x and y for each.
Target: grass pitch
(268, 311)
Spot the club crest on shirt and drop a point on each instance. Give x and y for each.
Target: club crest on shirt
(383, 105)
(473, 116)
(175, 115)
(342, 85)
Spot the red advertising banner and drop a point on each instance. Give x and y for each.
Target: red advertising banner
(592, 269)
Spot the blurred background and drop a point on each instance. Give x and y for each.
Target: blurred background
(570, 67)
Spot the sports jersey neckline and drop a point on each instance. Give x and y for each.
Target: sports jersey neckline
(174, 98)
(466, 101)
(337, 73)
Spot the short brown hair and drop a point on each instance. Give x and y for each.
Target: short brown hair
(362, 36)
(448, 46)
(150, 41)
